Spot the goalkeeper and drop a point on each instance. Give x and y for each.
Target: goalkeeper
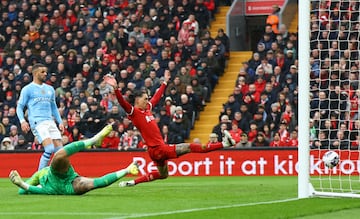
(61, 179)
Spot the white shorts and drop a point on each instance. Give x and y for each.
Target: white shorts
(46, 129)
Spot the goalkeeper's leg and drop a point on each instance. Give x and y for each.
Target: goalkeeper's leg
(83, 184)
(60, 163)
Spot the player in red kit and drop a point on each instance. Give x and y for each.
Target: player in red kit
(141, 116)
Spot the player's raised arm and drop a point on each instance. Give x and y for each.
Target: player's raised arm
(109, 79)
(158, 94)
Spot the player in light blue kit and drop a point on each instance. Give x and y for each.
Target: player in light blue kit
(39, 98)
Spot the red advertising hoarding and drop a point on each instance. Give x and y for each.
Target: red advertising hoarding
(217, 163)
(261, 7)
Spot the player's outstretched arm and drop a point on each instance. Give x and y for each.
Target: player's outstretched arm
(158, 94)
(25, 188)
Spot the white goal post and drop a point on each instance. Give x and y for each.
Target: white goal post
(314, 179)
(304, 100)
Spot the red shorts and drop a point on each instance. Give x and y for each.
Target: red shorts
(161, 153)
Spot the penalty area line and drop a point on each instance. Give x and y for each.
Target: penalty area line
(203, 209)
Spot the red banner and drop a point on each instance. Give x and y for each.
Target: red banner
(261, 7)
(217, 163)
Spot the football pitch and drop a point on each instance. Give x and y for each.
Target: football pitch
(181, 197)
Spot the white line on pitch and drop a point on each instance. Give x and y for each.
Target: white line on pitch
(203, 209)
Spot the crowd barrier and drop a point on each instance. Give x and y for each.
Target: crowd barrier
(247, 162)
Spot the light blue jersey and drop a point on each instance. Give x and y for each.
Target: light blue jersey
(40, 102)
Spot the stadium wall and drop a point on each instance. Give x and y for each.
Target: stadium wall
(252, 162)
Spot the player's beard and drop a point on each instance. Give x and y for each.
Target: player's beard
(42, 79)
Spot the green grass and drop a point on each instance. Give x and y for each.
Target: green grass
(181, 197)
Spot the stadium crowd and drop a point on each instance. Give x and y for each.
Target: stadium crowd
(267, 88)
(135, 41)
(335, 75)
(262, 111)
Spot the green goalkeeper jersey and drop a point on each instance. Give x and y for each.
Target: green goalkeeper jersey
(48, 181)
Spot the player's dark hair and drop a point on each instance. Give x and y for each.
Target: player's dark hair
(36, 67)
(135, 94)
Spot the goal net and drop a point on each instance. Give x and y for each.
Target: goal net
(334, 122)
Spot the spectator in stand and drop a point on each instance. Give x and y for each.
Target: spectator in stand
(276, 142)
(177, 130)
(254, 62)
(260, 140)
(184, 32)
(283, 130)
(5, 123)
(224, 40)
(169, 106)
(213, 138)
(253, 131)
(22, 144)
(266, 67)
(165, 133)
(235, 132)
(14, 135)
(93, 120)
(111, 141)
(217, 128)
(129, 140)
(227, 111)
(185, 120)
(222, 127)
(75, 134)
(231, 104)
(270, 55)
(249, 100)
(293, 139)
(6, 144)
(242, 85)
(273, 19)
(244, 142)
(267, 41)
(184, 75)
(261, 50)
(13, 119)
(258, 119)
(187, 107)
(340, 142)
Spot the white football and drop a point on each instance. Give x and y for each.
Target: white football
(331, 159)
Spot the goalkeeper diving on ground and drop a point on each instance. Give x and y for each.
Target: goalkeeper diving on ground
(60, 177)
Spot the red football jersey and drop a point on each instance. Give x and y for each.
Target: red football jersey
(144, 120)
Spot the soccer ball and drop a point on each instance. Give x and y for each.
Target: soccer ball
(331, 159)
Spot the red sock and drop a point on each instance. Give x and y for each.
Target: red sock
(199, 148)
(154, 175)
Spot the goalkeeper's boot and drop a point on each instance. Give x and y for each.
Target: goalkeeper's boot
(15, 177)
(228, 141)
(133, 168)
(99, 137)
